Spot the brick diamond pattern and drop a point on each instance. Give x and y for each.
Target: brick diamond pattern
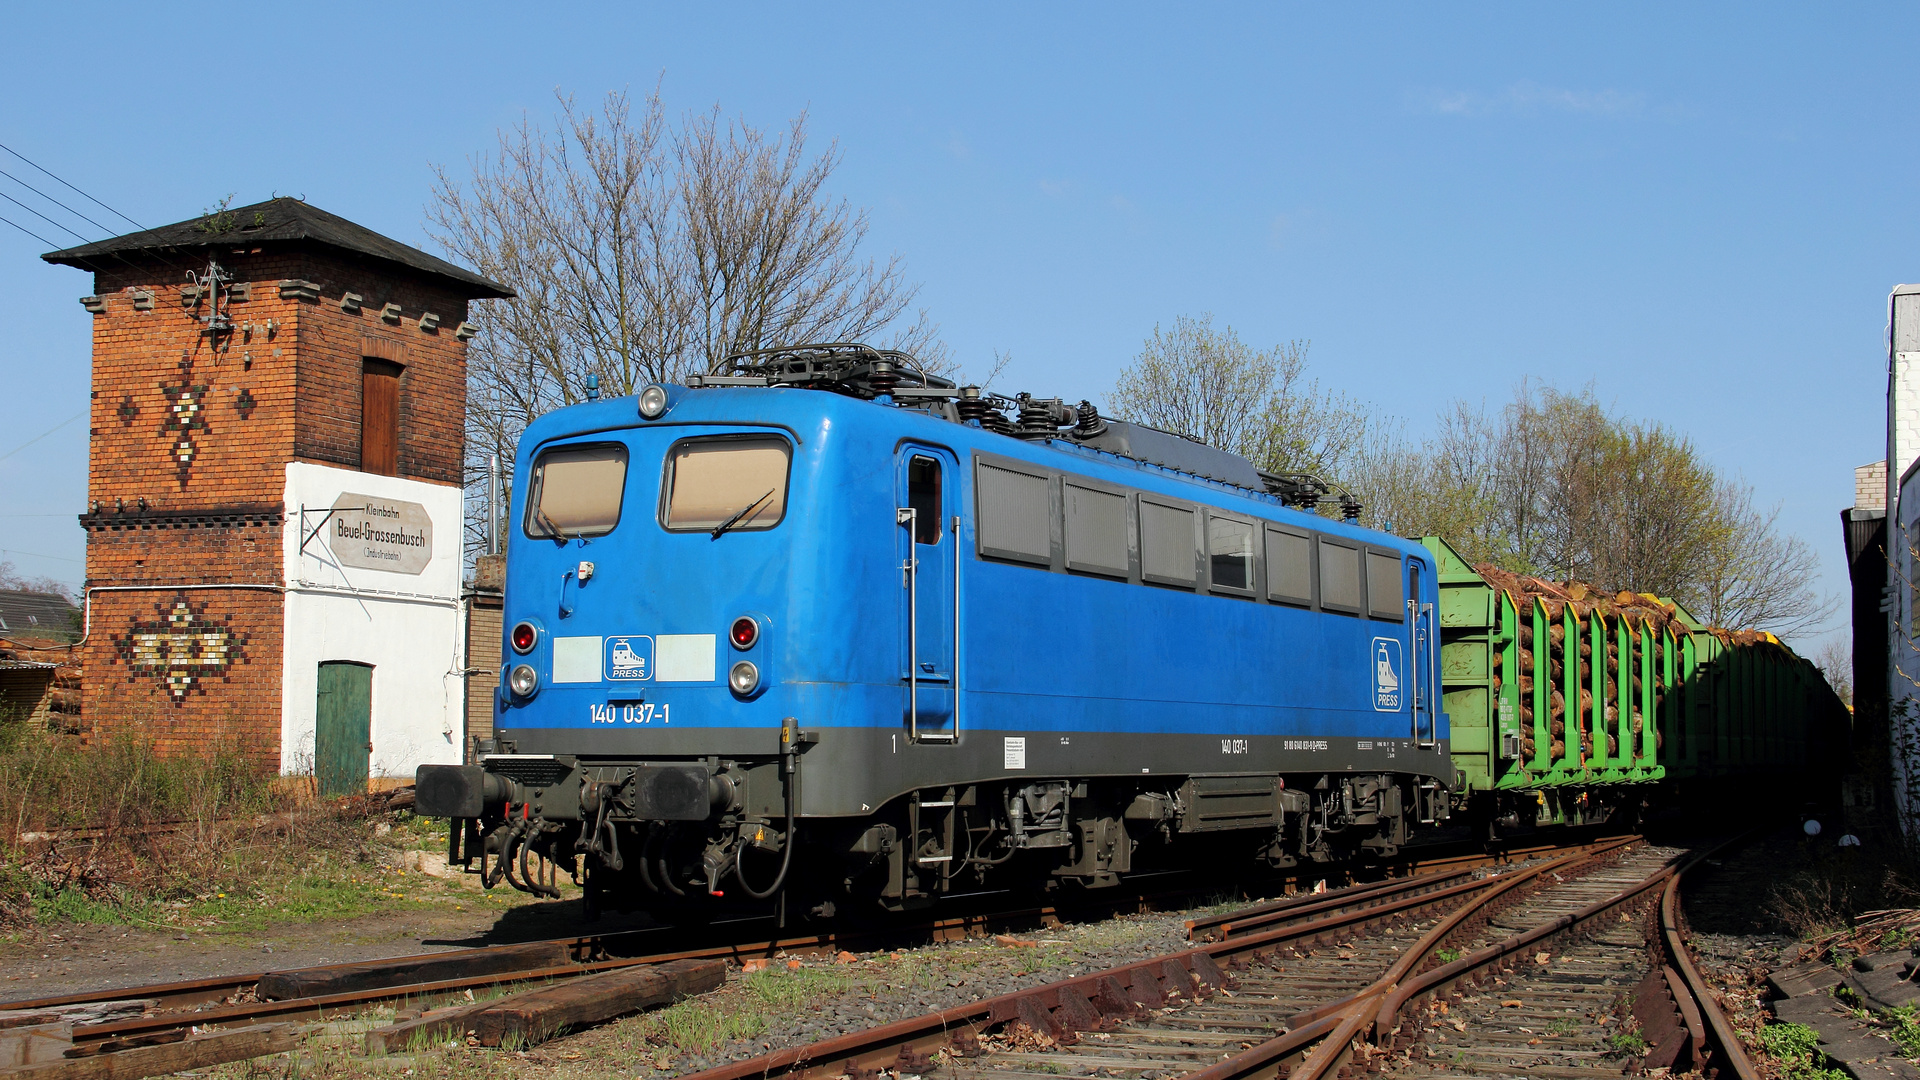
(182, 647)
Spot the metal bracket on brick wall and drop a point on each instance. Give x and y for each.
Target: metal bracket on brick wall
(296, 289)
(94, 304)
(242, 291)
(390, 312)
(464, 331)
(430, 323)
(142, 299)
(350, 301)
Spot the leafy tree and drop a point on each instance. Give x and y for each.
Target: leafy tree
(1552, 484)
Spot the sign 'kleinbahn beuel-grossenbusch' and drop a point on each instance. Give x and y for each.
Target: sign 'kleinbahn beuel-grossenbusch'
(380, 534)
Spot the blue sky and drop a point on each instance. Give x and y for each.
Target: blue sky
(1699, 211)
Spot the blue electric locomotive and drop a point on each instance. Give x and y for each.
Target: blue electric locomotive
(825, 625)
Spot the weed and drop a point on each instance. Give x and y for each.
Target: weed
(785, 991)
(1446, 956)
(1032, 960)
(1796, 1049)
(1565, 1025)
(697, 1025)
(1900, 937)
(1903, 1027)
(1630, 1043)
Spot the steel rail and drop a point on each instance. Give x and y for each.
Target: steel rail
(1697, 1003)
(1351, 1013)
(1078, 1003)
(584, 949)
(1308, 915)
(589, 947)
(1377, 1016)
(190, 992)
(1209, 927)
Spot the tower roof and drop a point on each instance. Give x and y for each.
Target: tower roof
(281, 221)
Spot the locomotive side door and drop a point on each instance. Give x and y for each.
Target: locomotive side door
(925, 479)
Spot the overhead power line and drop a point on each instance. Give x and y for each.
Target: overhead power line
(57, 203)
(45, 433)
(29, 232)
(97, 202)
(82, 238)
(71, 186)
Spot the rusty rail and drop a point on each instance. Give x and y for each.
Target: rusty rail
(1084, 1003)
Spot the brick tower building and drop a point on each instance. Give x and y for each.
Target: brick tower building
(274, 516)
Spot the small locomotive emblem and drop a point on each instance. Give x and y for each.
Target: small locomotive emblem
(629, 659)
(1386, 675)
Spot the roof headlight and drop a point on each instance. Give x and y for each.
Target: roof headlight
(653, 402)
(744, 678)
(523, 681)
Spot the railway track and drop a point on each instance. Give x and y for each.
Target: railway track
(380, 980)
(145, 1015)
(1530, 973)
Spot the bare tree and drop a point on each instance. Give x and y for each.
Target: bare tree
(1835, 661)
(642, 251)
(1753, 575)
(1258, 403)
(11, 580)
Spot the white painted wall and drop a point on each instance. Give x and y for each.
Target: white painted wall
(1903, 533)
(406, 625)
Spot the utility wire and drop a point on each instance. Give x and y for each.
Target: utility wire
(71, 210)
(45, 433)
(37, 555)
(97, 202)
(56, 202)
(30, 232)
(43, 217)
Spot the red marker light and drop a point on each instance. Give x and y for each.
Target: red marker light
(524, 635)
(745, 632)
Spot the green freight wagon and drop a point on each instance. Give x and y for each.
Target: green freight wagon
(1566, 703)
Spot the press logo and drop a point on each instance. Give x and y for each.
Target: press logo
(1386, 674)
(629, 659)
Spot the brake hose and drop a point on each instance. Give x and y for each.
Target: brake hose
(790, 840)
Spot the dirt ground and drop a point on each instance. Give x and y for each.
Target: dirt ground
(69, 958)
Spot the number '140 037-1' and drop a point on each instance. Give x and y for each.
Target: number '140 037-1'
(640, 712)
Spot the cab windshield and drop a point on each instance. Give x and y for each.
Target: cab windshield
(576, 491)
(726, 484)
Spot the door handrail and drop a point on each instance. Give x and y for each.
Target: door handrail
(910, 517)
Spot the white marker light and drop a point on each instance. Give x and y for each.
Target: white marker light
(743, 677)
(523, 680)
(653, 402)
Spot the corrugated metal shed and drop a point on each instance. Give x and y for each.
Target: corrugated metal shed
(26, 690)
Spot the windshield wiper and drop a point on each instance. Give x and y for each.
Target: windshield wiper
(744, 511)
(553, 530)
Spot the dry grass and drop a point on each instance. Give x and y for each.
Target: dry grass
(1832, 891)
(117, 833)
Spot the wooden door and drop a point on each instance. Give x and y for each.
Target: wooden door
(343, 729)
(380, 417)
